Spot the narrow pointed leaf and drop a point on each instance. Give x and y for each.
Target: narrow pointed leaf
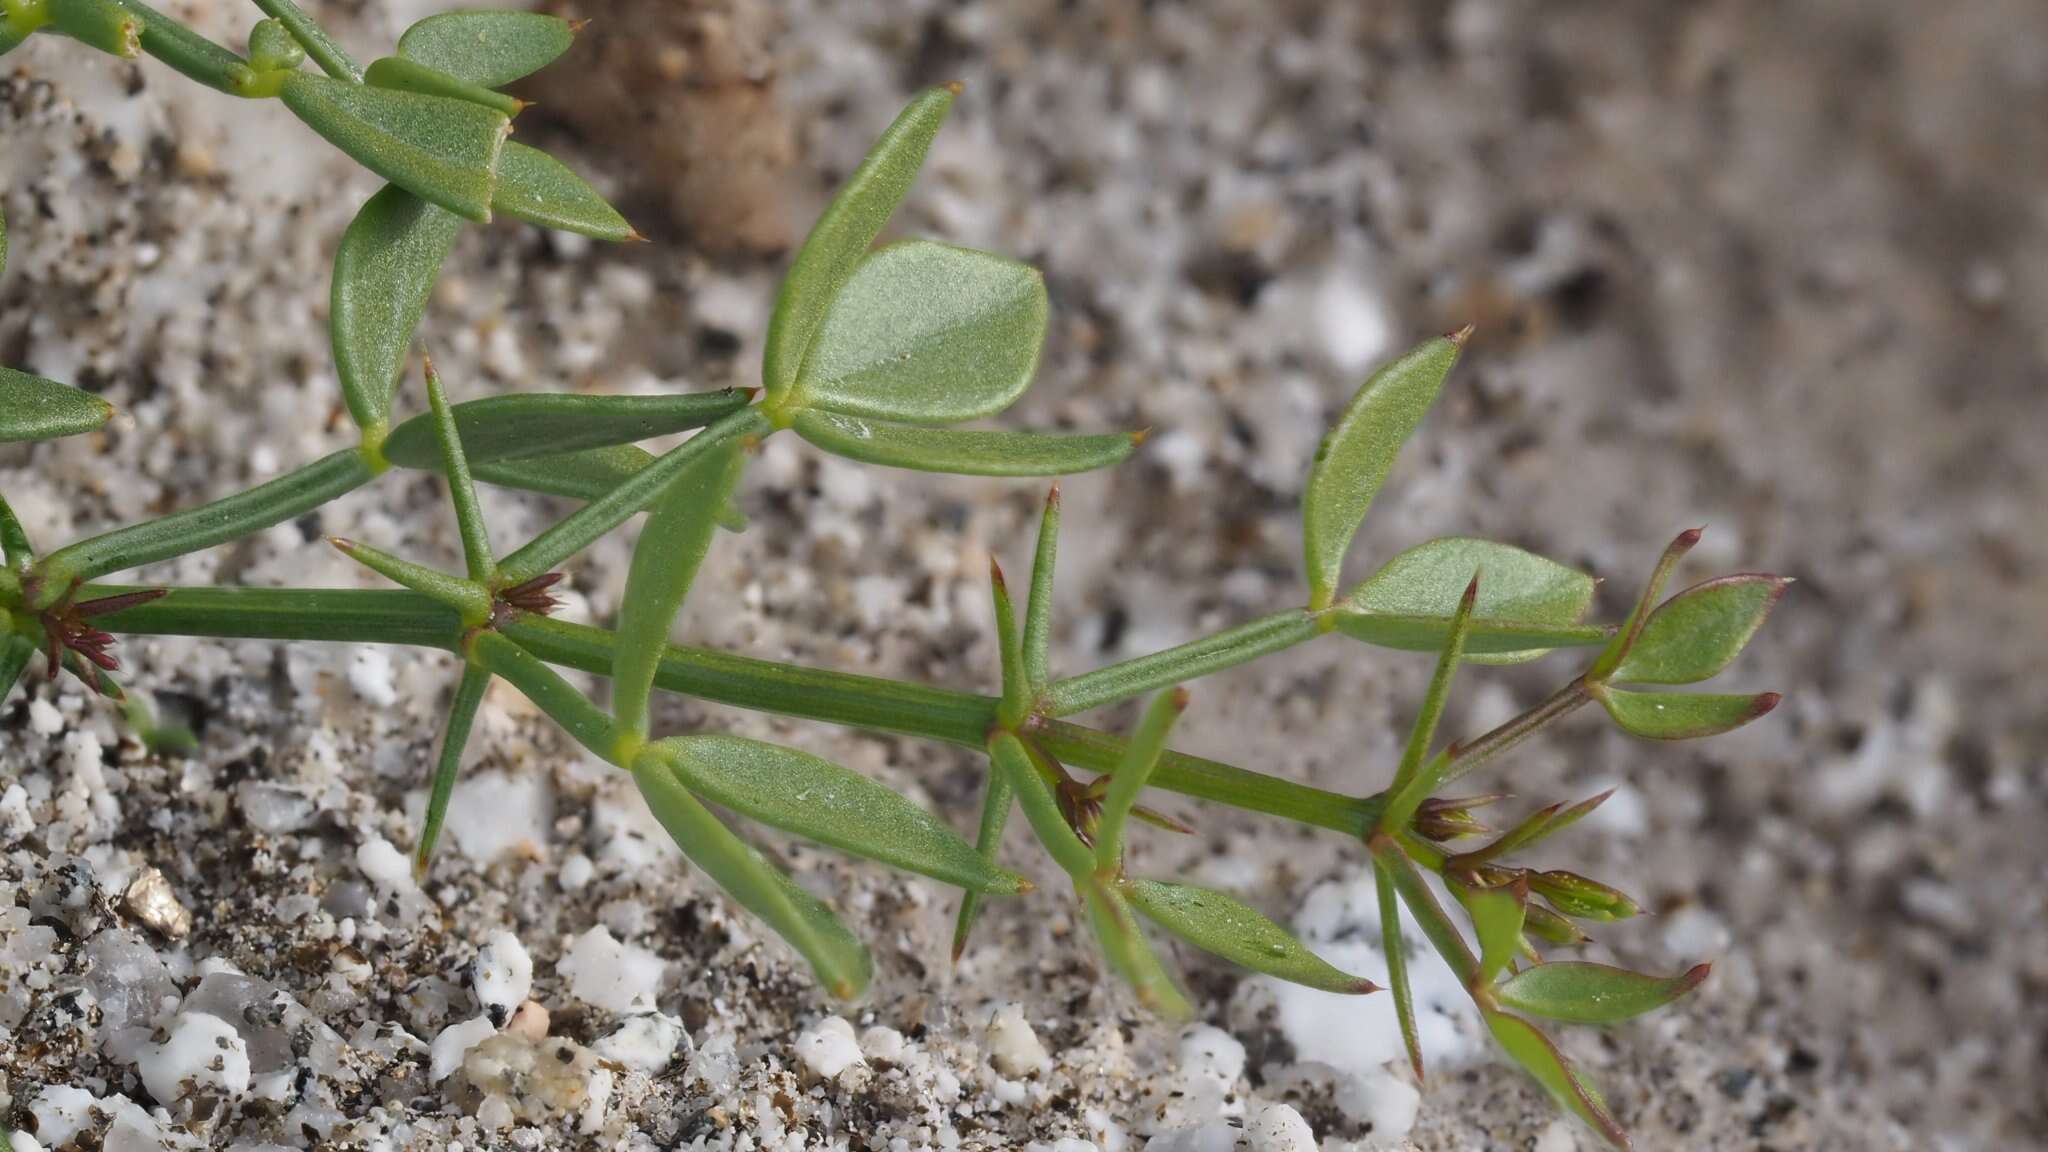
(1423, 906)
(1548, 926)
(1618, 649)
(402, 75)
(1140, 757)
(384, 271)
(1412, 785)
(1394, 947)
(1016, 698)
(1354, 457)
(583, 475)
(988, 840)
(1040, 808)
(1225, 926)
(538, 424)
(841, 237)
(14, 656)
(1698, 632)
(1540, 1058)
(479, 560)
(1576, 896)
(927, 334)
(673, 543)
(443, 151)
(539, 189)
(1497, 915)
(465, 596)
(578, 530)
(1539, 826)
(1527, 602)
(841, 962)
(14, 542)
(32, 408)
(469, 693)
(1038, 606)
(1130, 957)
(1683, 715)
(960, 451)
(490, 49)
(548, 691)
(821, 801)
(1577, 992)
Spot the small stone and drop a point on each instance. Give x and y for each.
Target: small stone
(384, 865)
(454, 1043)
(644, 1043)
(150, 900)
(1382, 1101)
(607, 974)
(502, 976)
(1279, 1128)
(530, 1021)
(828, 1048)
(202, 1052)
(1013, 1047)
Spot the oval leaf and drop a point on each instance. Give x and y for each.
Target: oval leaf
(929, 334)
(842, 236)
(1695, 634)
(384, 271)
(1488, 642)
(32, 408)
(1227, 927)
(821, 801)
(585, 475)
(1577, 992)
(1526, 603)
(1683, 715)
(840, 960)
(554, 423)
(443, 151)
(673, 543)
(403, 75)
(539, 189)
(1353, 459)
(963, 452)
(491, 49)
(1540, 1058)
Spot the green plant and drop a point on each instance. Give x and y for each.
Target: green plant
(872, 354)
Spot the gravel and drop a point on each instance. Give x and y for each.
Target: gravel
(1779, 269)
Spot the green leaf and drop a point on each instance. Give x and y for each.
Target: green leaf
(1682, 715)
(317, 43)
(32, 408)
(272, 48)
(15, 546)
(1526, 603)
(1396, 951)
(1040, 808)
(100, 24)
(1129, 956)
(1016, 696)
(384, 271)
(1548, 926)
(1540, 825)
(585, 475)
(578, 530)
(1038, 606)
(1140, 757)
(842, 236)
(547, 689)
(821, 801)
(465, 596)
(1618, 648)
(479, 561)
(960, 451)
(443, 151)
(537, 424)
(929, 334)
(402, 75)
(672, 545)
(539, 189)
(1577, 992)
(487, 48)
(1497, 914)
(1541, 1059)
(841, 962)
(1225, 926)
(1354, 457)
(1696, 633)
(1412, 785)
(14, 654)
(469, 693)
(1581, 898)
(988, 840)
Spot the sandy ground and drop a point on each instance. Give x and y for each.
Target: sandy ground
(1778, 269)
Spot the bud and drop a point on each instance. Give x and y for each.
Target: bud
(1450, 818)
(272, 49)
(1574, 895)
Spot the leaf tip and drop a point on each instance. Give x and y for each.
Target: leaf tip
(1764, 703)
(1695, 976)
(1052, 495)
(954, 87)
(342, 544)
(995, 576)
(1139, 437)
(1363, 987)
(1689, 537)
(1461, 335)
(1179, 699)
(577, 26)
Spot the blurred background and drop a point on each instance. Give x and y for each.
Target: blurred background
(1778, 269)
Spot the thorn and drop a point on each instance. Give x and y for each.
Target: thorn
(1052, 497)
(1460, 336)
(577, 26)
(1364, 988)
(955, 87)
(427, 363)
(635, 236)
(1139, 437)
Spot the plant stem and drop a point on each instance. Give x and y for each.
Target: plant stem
(184, 50)
(290, 495)
(1466, 755)
(314, 39)
(1226, 649)
(392, 616)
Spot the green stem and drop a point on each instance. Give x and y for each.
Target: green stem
(187, 51)
(195, 529)
(389, 616)
(1226, 649)
(1467, 755)
(314, 39)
